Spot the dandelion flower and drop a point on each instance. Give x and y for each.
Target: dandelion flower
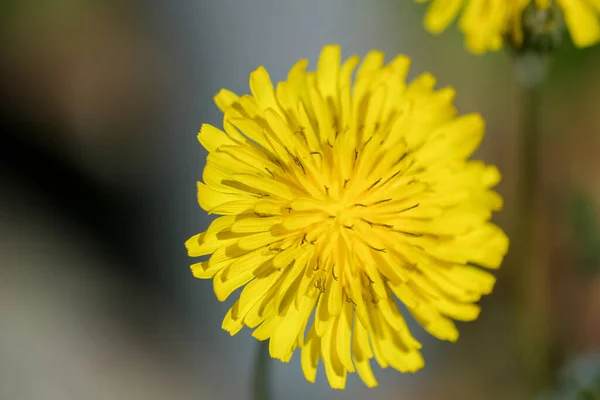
(339, 199)
(487, 23)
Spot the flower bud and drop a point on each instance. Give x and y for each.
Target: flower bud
(542, 30)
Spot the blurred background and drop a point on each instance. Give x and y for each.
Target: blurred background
(100, 104)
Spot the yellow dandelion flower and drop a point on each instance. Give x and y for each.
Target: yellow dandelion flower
(486, 23)
(337, 199)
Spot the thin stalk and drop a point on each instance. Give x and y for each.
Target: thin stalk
(532, 271)
(261, 388)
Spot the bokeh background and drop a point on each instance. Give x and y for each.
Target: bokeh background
(100, 104)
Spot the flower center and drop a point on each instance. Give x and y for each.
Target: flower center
(343, 219)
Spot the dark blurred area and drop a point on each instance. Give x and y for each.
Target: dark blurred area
(100, 103)
(82, 90)
(88, 308)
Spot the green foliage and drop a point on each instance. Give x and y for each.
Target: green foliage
(578, 380)
(584, 224)
(569, 61)
(6, 7)
(589, 394)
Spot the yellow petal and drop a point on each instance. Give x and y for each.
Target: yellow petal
(203, 270)
(193, 245)
(268, 186)
(268, 327)
(441, 13)
(212, 138)
(230, 325)
(246, 264)
(253, 293)
(262, 89)
(233, 207)
(583, 22)
(224, 288)
(209, 198)
(265, 208)
(301, 221)
(252, 224)
(258, 240)
(334, 370)
(343, 339)
(361, 349)
(454, 140)
(282, 342)
(225, 98)
(328, 70)
(310, 355)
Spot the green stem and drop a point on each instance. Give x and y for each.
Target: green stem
(531, 271)
(261, 387)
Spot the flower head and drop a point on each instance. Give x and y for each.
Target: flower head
(486, 24)
(337, 199)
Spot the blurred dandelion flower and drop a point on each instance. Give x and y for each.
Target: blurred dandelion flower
(487, 23)
(336, 199)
